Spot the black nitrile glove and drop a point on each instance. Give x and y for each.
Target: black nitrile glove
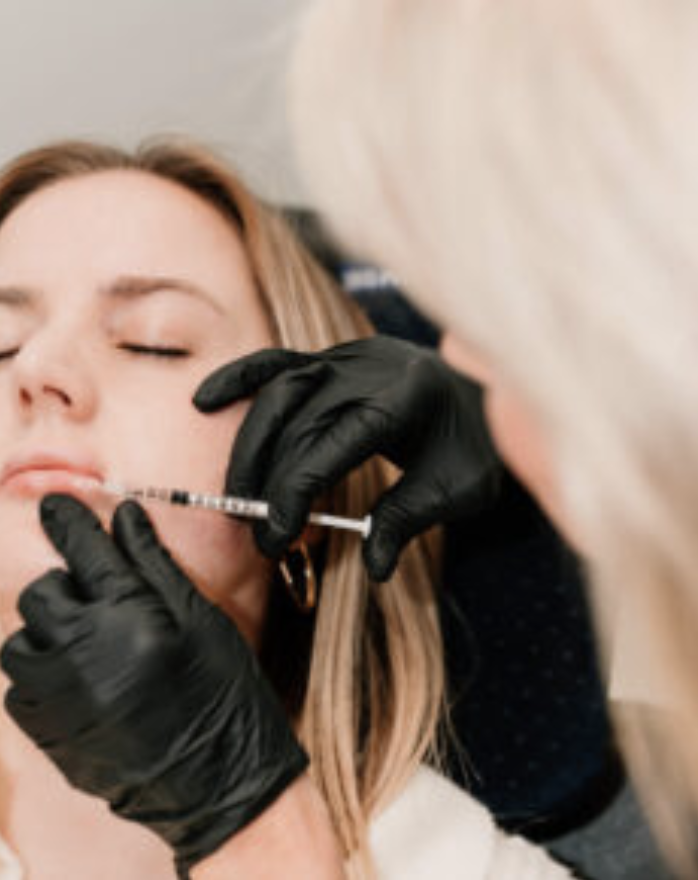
(318, 416)
(141, 691)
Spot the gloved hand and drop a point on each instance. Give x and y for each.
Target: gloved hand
(318, 416)
(140, 690)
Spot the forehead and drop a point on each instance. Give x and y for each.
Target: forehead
(120, 222)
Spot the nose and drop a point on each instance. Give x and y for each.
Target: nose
(51, 375)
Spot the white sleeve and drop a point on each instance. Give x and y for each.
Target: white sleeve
(515, 859)
(10, 868)
(436, 830)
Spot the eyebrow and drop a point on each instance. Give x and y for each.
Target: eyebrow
(135, 286)
(17, 297)
(124, 287)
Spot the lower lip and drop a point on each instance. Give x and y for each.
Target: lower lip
(38, 482)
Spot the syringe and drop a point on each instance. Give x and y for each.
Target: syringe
(243, 507)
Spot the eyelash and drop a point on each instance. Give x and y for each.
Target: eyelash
(165, 352)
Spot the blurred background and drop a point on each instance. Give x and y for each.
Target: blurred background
(123, 71)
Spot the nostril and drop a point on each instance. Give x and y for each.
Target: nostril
(59, 393)
(31, 397)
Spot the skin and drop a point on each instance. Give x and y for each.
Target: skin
(292, 839)
(513, 426)
(78, 378)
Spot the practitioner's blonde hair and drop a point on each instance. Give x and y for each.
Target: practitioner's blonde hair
(529, 168)
(366, 671)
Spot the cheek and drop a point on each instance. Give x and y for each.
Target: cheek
(523, 447)
(25, 555)
(191, 451)
(464, 359)
(219, 555)
(156, 437)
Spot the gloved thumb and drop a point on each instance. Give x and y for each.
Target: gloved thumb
(243, 377)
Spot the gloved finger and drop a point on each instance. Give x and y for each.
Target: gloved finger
(49, 607)
(262, 428)
(28, 714)
(36, 672)
(41, 712)
(136, 536)
(310, 468)
(95, 562)
(481, 492)
(243, 377)
(414, 504)
(20, 656)
(22, 710)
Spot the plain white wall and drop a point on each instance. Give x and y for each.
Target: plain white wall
(127, 69)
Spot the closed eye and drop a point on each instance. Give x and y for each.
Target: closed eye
(164, 351)
(8, 353)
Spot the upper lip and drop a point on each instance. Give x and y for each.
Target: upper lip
(50, 461)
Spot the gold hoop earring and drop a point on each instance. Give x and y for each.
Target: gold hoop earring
(299, 576)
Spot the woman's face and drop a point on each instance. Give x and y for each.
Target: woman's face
(119, 293)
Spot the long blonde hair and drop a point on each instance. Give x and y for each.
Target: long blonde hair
(529, 170)
(366, 683)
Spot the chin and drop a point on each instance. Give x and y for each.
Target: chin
(25, 552)
(26, 567)
(31, 560)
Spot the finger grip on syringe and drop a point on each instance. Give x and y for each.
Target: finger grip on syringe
(260, 510)
(363, 526)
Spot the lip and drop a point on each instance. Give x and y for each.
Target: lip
(37, 474)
